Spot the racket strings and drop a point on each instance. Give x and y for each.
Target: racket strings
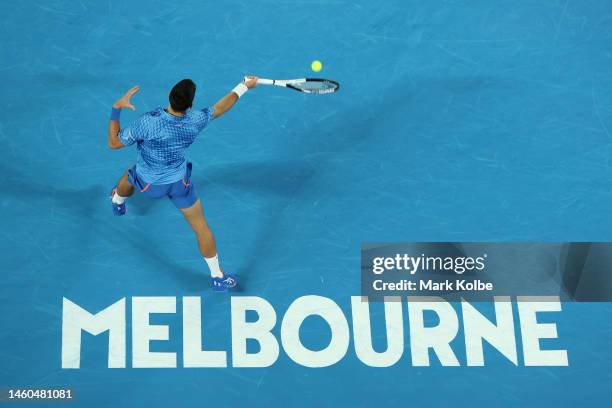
(317, 86)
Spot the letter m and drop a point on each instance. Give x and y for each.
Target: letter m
(76, 319)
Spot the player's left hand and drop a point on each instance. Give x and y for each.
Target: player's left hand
(124, 101)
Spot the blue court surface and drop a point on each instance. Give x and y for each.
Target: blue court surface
(456, 121)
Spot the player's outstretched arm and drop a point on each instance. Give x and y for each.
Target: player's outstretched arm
(231, 98)
(113, 124)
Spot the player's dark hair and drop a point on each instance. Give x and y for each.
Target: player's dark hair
(182, 94)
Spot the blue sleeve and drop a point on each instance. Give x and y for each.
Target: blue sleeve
(133, 133)
(205, 117)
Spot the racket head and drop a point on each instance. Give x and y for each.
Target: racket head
(314, 85)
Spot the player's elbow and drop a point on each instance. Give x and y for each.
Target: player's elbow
(114, 145)
(218, 111)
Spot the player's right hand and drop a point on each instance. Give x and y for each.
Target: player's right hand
(250, 81)
(124, 101)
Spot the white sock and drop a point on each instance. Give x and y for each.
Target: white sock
(213, 265)
(117, 199)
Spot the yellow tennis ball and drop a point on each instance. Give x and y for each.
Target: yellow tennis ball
(316, 66)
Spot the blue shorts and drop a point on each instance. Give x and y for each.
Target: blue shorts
(182, 193)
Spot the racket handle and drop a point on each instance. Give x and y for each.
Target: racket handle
(262, 81)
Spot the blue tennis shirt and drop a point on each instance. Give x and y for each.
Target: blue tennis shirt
(161, 140)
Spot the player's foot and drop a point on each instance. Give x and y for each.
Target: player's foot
(223, 284)
(118, 209)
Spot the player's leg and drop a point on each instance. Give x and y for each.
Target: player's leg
(208, 248)
(120, 193)
(124, 187)
(206, 241)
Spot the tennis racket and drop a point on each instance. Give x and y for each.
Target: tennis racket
(307, 85)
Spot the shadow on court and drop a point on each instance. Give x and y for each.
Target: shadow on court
(281, 178)
(295, 181)
(87, 212)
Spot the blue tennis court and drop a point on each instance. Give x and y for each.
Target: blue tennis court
(455, 121)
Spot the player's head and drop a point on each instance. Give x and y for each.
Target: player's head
(182, 94)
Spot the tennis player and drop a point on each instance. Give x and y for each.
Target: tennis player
(162, 137)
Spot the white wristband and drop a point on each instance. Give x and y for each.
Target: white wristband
(240, 89)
